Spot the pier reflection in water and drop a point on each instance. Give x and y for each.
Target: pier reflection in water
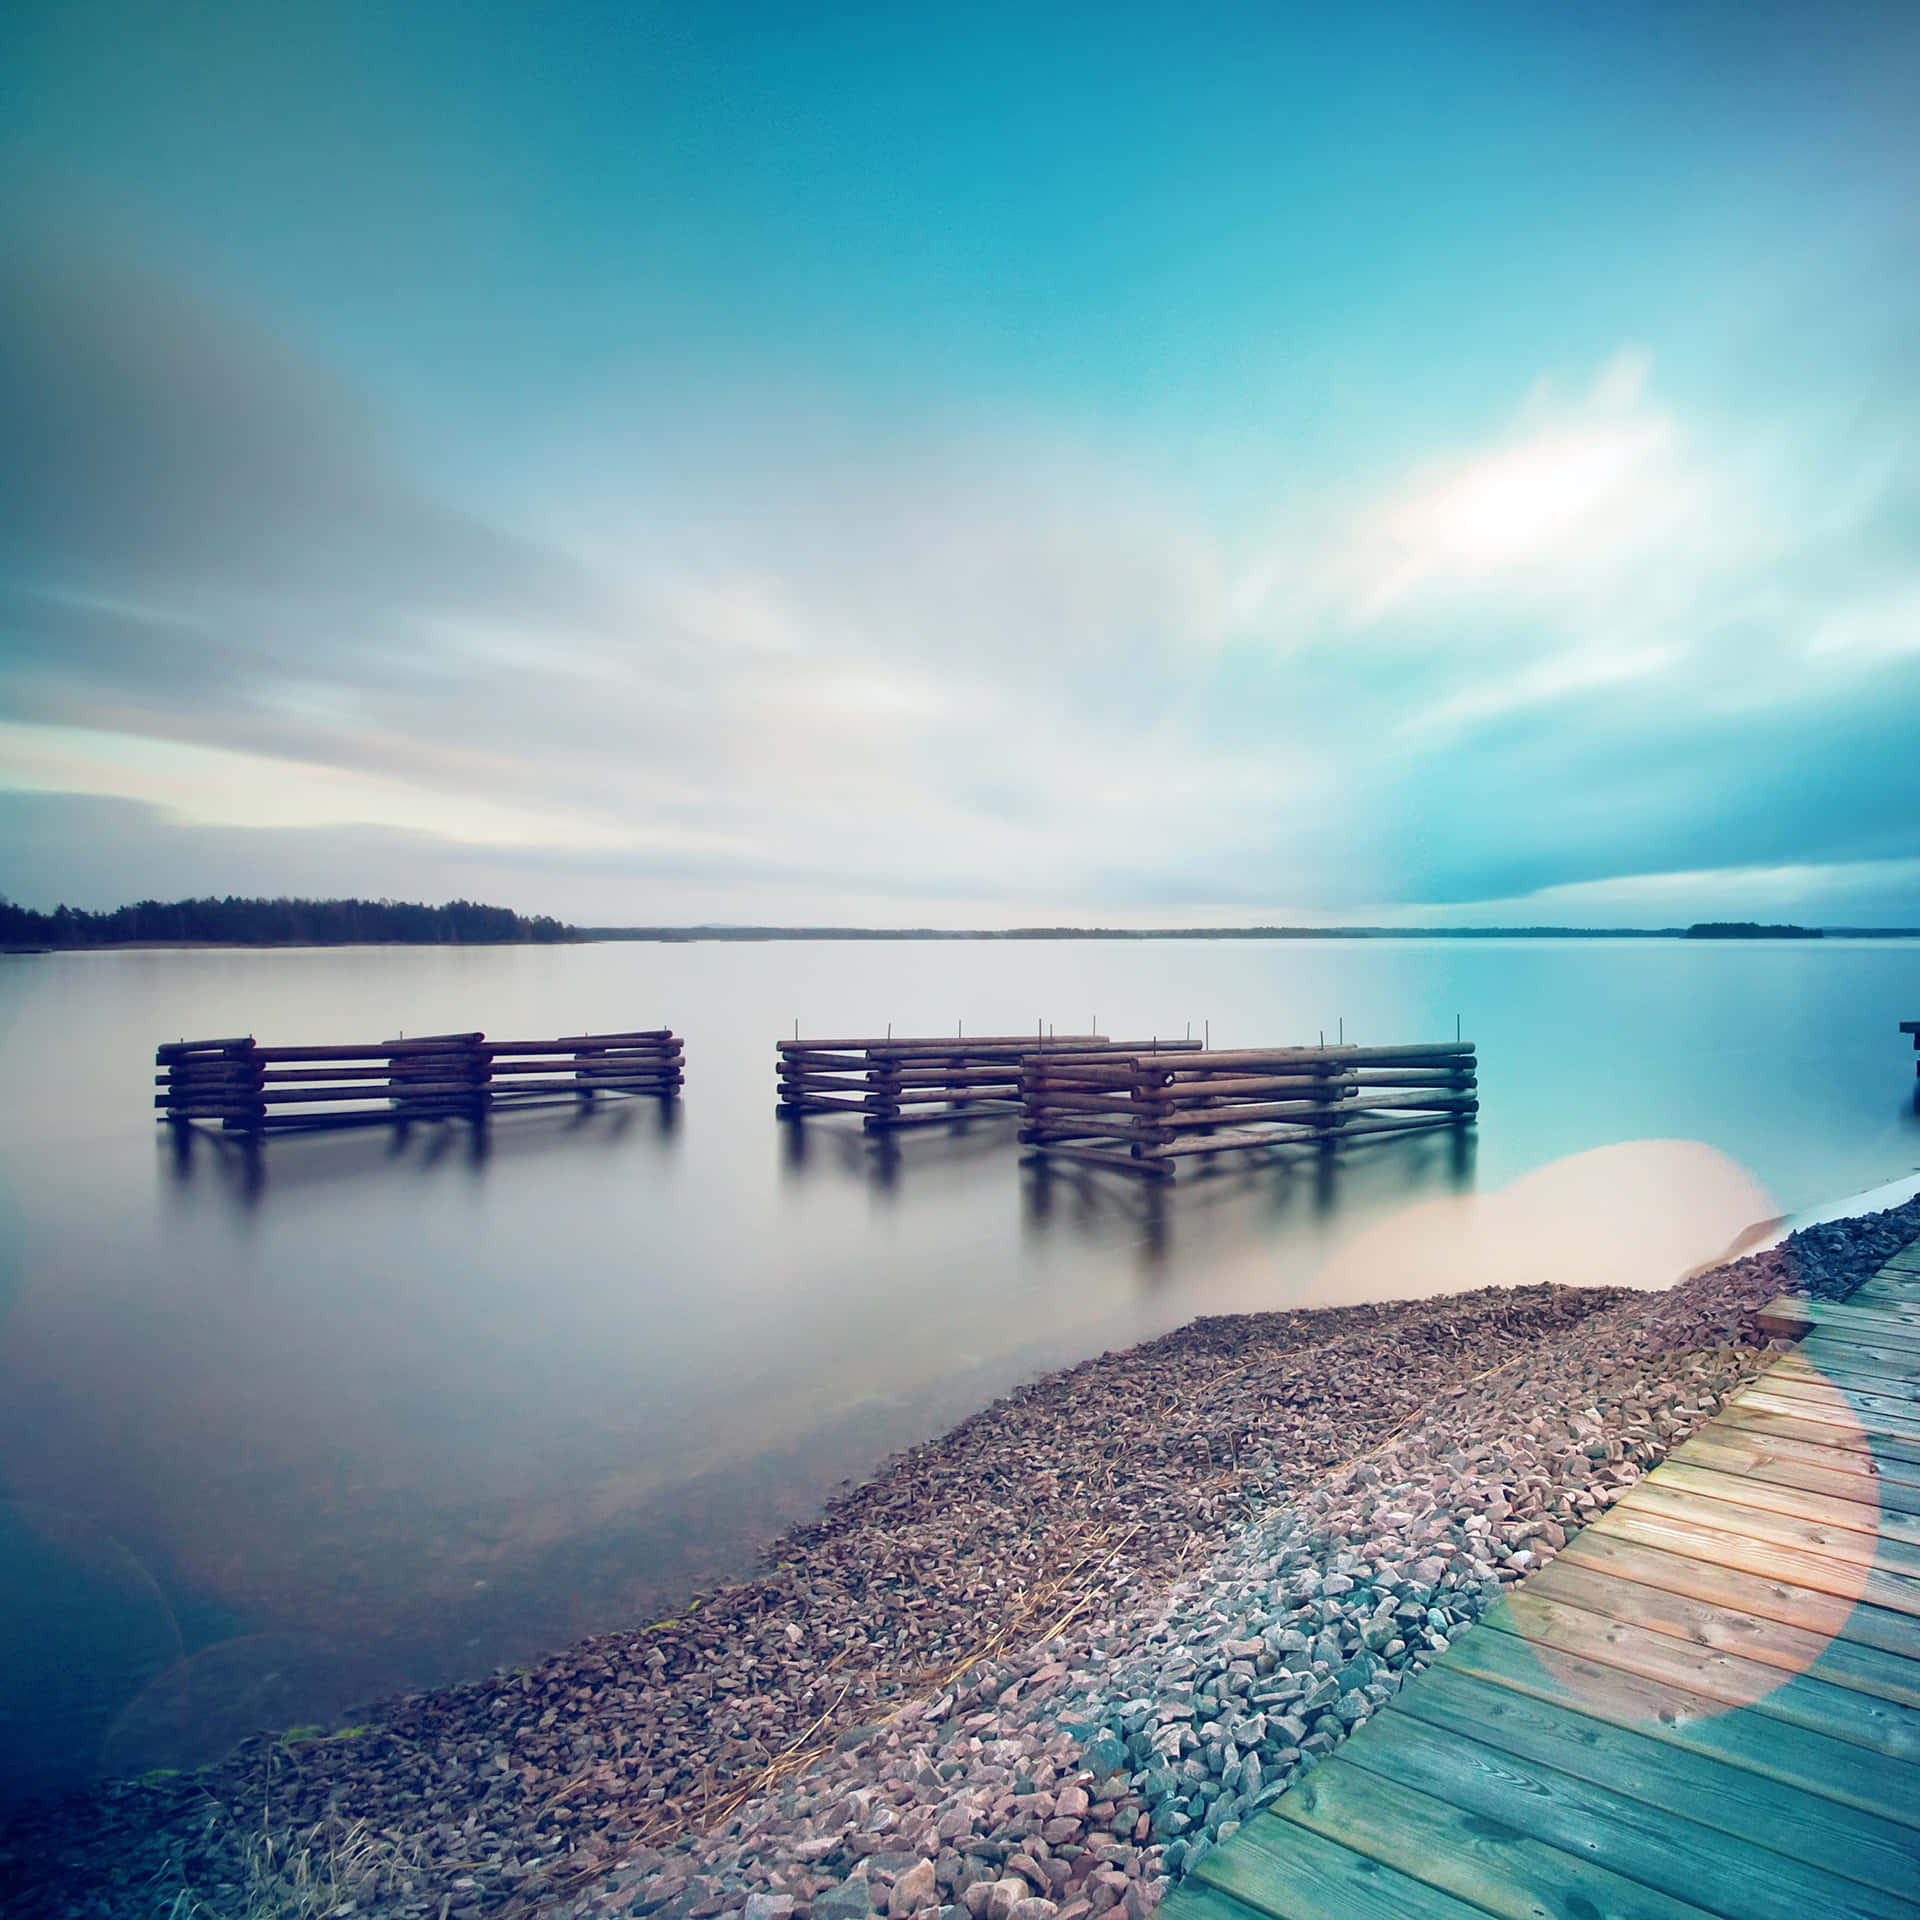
(241, 1165)
(1058, 1197)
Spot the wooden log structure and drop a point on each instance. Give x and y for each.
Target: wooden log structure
(250, 1088)
(911, 1082)
(1144, 1114)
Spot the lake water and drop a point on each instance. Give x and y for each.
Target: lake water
(281, 1432)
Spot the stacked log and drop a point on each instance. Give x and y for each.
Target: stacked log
(920, 1082)
(1145, 1114)
(584, 1066)
(251, 1088)
(211, 1080)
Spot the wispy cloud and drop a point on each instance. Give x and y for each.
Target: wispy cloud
(999, 666)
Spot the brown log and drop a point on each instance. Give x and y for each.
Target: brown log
(573, 1041)
(1185, 1092)
(1413, 1123)
(664, 1043)
(571, 1063)
(1302, 1112)
(611, 1083)
(1077, 1103)
(1376, 1102)
(799, 1083)
(411, 1090)
(1084, 1080)
(887, 1122)
(1184, 1061)
(1413, 1076)
(941, 1044)
(931, 1096)
(1090, 1129)
(1276, 1136)
(1008, 1076)
(182, 1049)
(382, 1050)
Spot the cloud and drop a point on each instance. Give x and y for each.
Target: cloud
(995, 664)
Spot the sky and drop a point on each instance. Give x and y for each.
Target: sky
(964, 466)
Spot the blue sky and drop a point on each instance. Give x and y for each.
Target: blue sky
(975, 465)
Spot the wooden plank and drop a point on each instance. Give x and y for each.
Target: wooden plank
(1783, 1318)
(1829, 1538)
(1783, 1820)
(1888, 1369)
(1657, 1848)
(1899, 1275)
(1864, 1356)
(1715, 1583)
(1885, 1290)
(1897, 1324)
(1773, 1424)
(1193, 1900)
(1789, 1463)
(1881, 1391)
(1799, 1373)
(1876, 1368)
(1785, 1397)
(1726, 1546)
(1863, 1516)
(1489, 1862)
(1875, 1725)
(1777, 1749)
(1291, 1873)
(1722, 1628)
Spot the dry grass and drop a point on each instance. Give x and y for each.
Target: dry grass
(333, 1867)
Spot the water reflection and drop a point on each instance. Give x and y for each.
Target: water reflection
(879, 1161)
(1269, 1185)
(241, 1166)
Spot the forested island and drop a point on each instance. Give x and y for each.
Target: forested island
(235, 922)
(1748, 930)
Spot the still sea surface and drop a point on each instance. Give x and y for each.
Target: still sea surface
(279, 1433)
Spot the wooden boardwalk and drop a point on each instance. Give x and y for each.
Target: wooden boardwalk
(1709, 1703)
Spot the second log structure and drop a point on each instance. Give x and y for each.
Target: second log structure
(924, 1082)
(1145, 1114)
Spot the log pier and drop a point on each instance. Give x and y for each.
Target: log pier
(893, 1083)
(249, 1088)
(1146, 1113)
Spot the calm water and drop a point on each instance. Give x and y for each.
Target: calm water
(278, 1435)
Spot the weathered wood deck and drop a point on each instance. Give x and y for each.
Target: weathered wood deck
(1709, 1703)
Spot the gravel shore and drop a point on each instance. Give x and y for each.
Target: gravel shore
(1030, 1671)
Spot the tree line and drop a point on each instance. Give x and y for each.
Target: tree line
(282, 923)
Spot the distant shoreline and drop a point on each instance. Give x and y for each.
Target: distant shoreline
(670, 936)
(1232, 933)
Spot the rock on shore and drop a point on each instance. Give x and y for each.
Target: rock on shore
(1031, 1671)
